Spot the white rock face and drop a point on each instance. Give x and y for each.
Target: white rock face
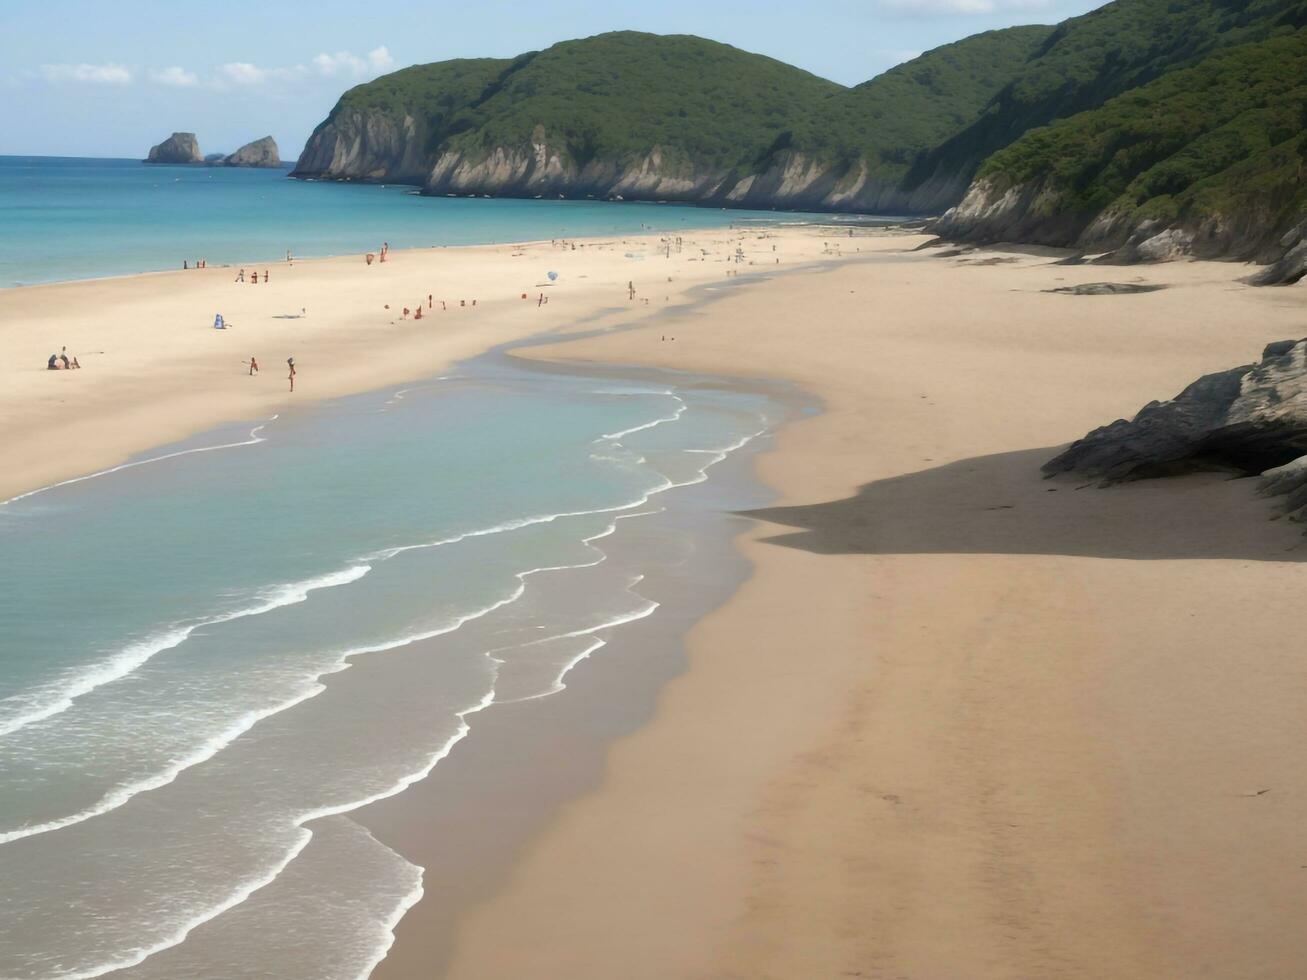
(359, 145)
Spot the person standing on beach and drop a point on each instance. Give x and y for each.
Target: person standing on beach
(254, 367)
(266, 277)
(254, 277)
(290, 363)
(240, 276)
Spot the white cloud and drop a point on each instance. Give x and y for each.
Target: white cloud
(175, 76)
(338, 63)
(347, 63)
(244, 73)
(341, 63)
(109, 74)
(927, 7)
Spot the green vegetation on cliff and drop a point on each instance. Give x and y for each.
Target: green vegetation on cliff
(914, 106)
(1221, 140)
(704, 104)
(617, 96)
(1090, 59)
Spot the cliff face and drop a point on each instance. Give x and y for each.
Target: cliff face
(380, 148)
(369, 145)
(177, 148)
(260, 153)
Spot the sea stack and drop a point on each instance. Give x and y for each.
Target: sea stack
(260, 153)
(177, 148)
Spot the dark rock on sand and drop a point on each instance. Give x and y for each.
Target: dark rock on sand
(177, 148)
(1292, 266)
(1250, 419)
(1106, 288)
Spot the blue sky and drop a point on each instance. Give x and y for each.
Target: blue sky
(112, 77)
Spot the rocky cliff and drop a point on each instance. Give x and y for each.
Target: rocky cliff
(177, 148)
(367, 145)
(260, 153)
(1208, 160)
(646, 117)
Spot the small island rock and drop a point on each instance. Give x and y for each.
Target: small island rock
(177, 148)
(260, 153)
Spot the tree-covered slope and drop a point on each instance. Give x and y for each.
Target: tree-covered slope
(619, 95)
(640, 115)
(1214, 151)
(1090, 59)
(915, 106)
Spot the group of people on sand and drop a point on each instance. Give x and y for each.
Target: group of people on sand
(431, 305)
(385, 250)
(199, 264)
(254, 276)
(62, 362)
(290, 365)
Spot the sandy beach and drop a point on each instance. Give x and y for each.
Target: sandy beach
(959, 722)
(154, 370)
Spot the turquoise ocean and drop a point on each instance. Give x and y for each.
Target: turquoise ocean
(186, 722)
(69, 218)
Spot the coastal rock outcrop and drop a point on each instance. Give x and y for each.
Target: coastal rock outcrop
(361, 144)
(177, 148)
(1250, 419)
(259, 153)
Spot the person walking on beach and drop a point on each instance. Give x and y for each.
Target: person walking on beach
(254, 367)
(240, 276)
(290, 363)
(254, 277)
(266, 277)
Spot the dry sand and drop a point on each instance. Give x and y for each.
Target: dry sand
(961, 722)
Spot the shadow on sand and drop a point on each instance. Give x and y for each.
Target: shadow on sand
(1001, 505)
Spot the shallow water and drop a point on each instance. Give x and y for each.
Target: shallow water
(71, 218)
(181, 738)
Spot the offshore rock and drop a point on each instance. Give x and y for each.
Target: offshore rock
(260, 153)
(177, 148)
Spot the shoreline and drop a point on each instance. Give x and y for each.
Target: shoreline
(943, 681)
(355, 346)
(938, 673)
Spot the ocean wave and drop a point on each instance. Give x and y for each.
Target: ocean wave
(675, 416)
(254, 438)
(56, 697)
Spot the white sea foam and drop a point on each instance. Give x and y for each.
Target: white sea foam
(254, 438)
(681, 408)
(297, 592)
(57, 697)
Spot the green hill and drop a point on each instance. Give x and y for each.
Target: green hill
(651, 116)
(1090, 59)
(1211, 147)
(914, 106)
